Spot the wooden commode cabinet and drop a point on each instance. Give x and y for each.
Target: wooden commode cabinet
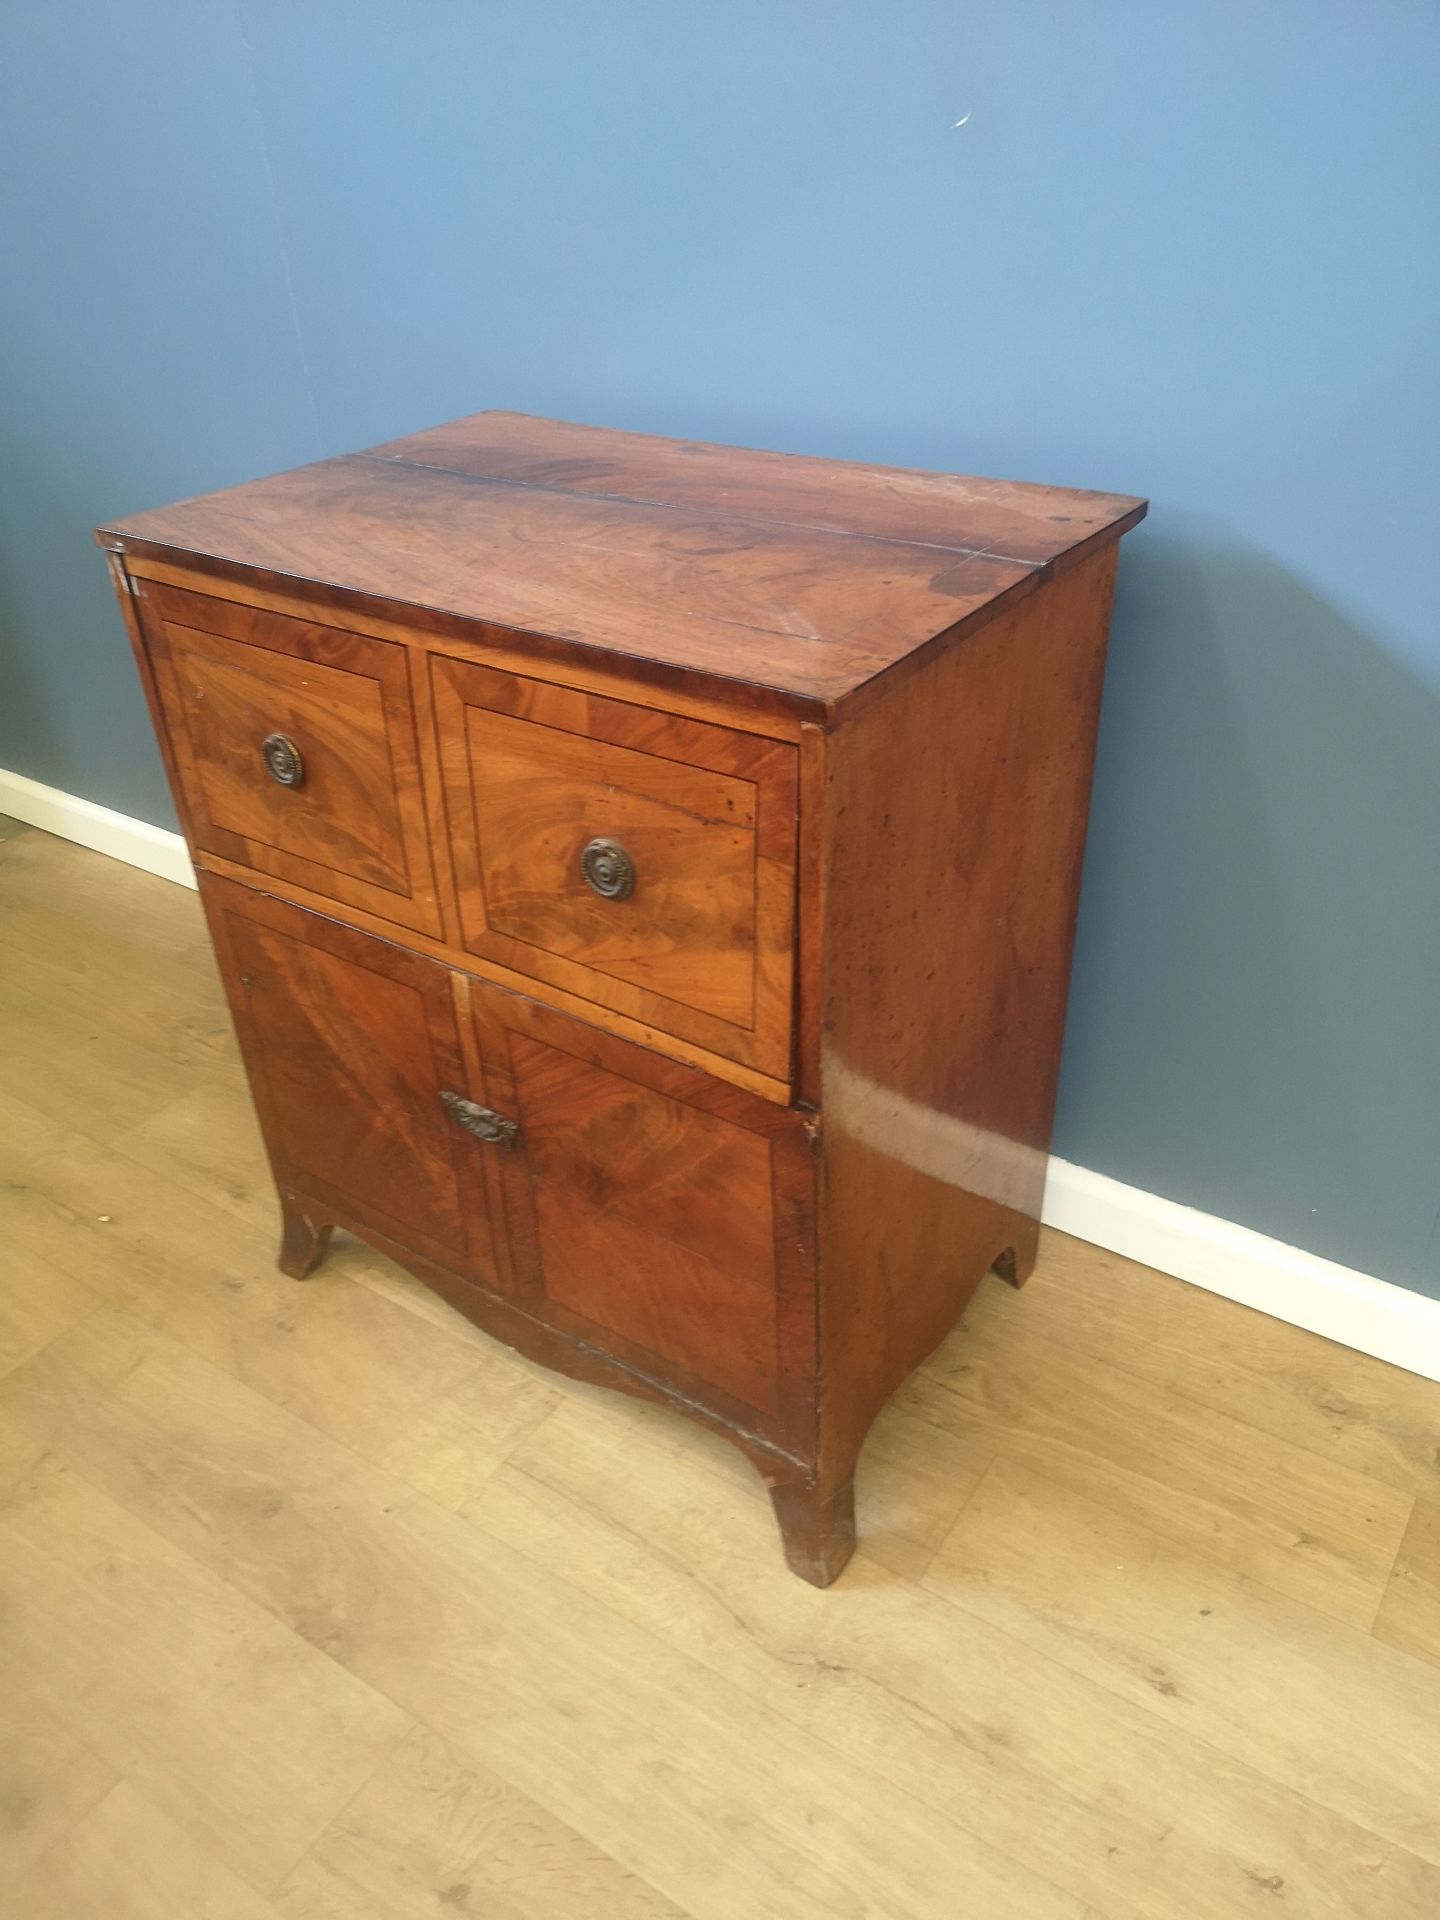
(644, 876)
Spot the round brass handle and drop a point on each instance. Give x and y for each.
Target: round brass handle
(282, 759)
(607, 868)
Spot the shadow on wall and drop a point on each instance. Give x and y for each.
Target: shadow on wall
(72, 712)
(31, 733)
(1262, 892)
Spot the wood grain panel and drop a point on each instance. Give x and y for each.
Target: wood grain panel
(343, 815)
(355, 828)
(652, 1220)
(703, 945)
(1010, 518)
(782, 581)
(950, 887)
(811, 614)
(349, 1042)
(658, 1213)
(608, 1018)
(688, 931)
(653, 1212)
(482, 641)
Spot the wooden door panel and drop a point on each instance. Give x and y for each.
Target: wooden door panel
(350, 1042)
(701, 944)
(352, 825)
(655, 1211)
(653, 1220)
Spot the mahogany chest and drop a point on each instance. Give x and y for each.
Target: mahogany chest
(644, 876)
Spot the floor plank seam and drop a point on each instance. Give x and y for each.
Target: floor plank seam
(1189, 1398)
(1187, 1544)
(334, 1819)
(1229, 1755)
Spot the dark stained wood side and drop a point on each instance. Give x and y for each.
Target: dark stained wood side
(1040, 525)
(956, 810)
(304, 1241)
(816, 1521)
(810, 915)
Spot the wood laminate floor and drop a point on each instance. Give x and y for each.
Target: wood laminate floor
(315, 1604)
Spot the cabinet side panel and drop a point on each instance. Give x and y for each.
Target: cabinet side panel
(955, 822)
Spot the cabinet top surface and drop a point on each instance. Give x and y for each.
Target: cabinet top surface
(802, 575)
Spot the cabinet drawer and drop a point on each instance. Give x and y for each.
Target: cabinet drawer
(641, 860)
(294, 745)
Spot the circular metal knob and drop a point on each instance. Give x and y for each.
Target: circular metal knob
(608, 869)
(282, 759)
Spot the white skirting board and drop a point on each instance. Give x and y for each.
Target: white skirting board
(1356, 1309)
(134, 841)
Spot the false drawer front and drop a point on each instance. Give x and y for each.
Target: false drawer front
(295, 750)
(638, 859)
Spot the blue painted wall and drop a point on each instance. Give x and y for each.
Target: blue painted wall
(1185, 251)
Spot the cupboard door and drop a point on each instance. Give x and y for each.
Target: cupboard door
(358, 1066)
(655, 1212)
(295, 747)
